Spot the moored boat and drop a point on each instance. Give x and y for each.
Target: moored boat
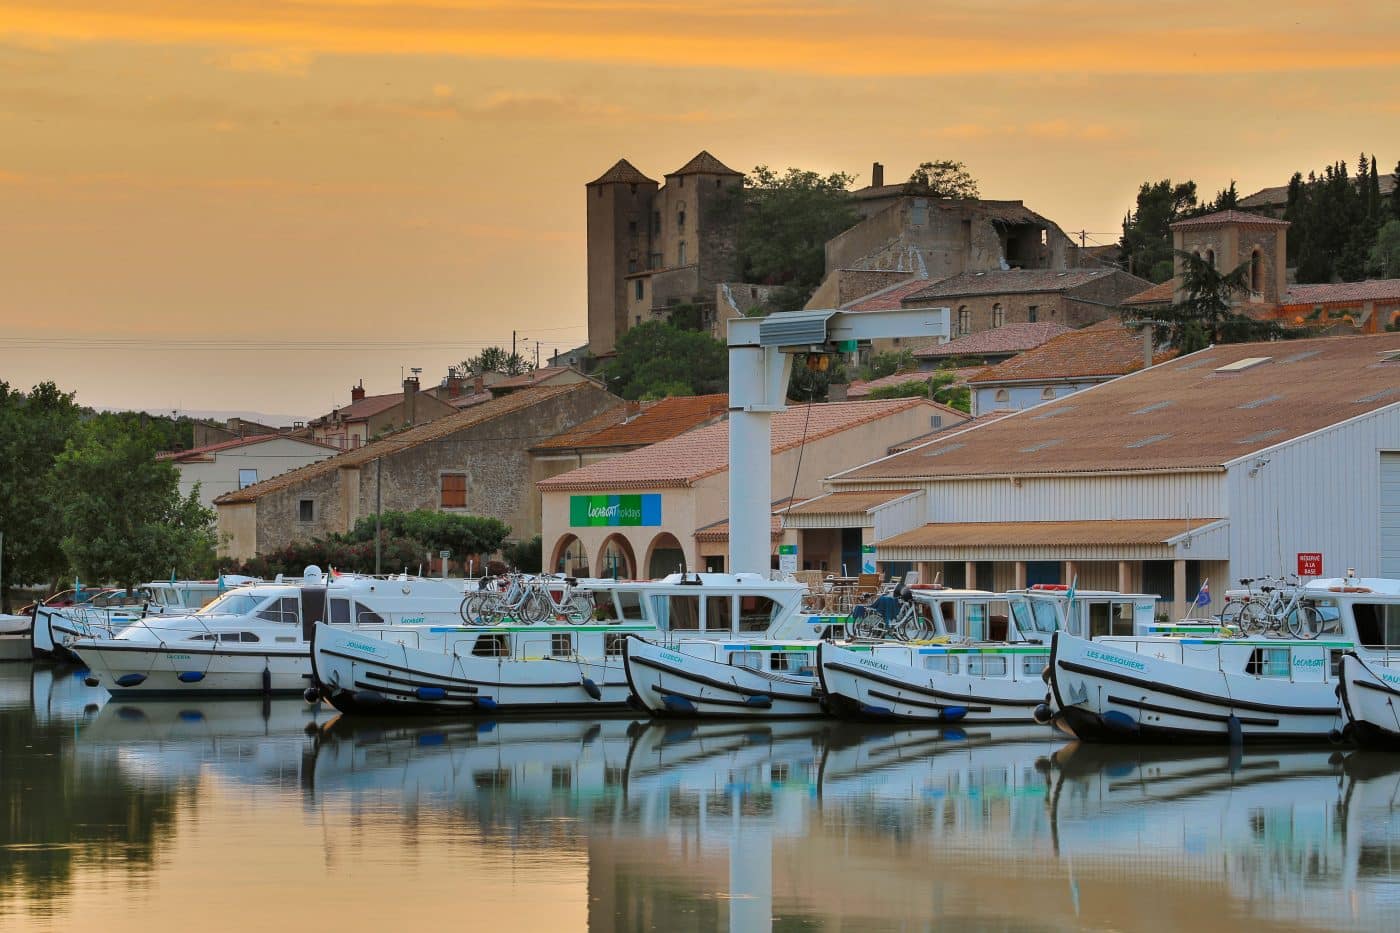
(254, 640)
(16, 640)
(1214, 688)
(961, 674)
(1369, 687)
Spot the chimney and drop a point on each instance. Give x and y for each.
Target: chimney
(1146, 347)
(454, 383)
(877, 175)
(357, 393)
(410, 400)
(479, 384)
(631, 409)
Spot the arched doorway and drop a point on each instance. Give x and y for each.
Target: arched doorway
(665, 555)
(616, 559)
(569, 557)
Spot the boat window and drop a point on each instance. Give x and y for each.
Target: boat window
(629, 605)
(1033, 664)
(340, 611)
(1021, 615)
(1335, 656)
(681, 613)
(491, 646)
(756, 613)
(561, 645)
(975, 621)
(209, 637)
(979, 666)
(943, 663)
(234, 604)
(1377, 624)
(753, 660)
(1268, 662)
(1045, 616)
(612, 644)
(798, 661)
(367, 616)
(284, 610)
(719, 613)
(1329, 614)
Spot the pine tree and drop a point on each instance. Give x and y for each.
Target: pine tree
(1373, 194)
(1395, 193)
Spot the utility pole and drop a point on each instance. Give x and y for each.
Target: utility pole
(378, 503)
(537, 354)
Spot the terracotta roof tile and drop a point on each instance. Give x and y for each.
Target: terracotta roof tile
(1306, 296)
(703, 452)
(1105, 349)
(532, 378)
(1181, 415)
(1277, 196)
(445, 426)
(1220, 218)
(195, 453)
(1009, 338)
(888, 298)
(1156, 295)
(1026, 534)
(719, 531)
(703, 164)
(847, 503)
(657, 421)
(1009, 282)
(623, 172)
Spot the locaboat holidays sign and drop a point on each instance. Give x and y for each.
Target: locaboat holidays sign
(591, 511)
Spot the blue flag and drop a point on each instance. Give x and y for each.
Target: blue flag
(1203, 597)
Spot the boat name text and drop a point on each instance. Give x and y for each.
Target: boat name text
(1114, 659)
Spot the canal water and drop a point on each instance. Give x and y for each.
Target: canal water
(245, 815)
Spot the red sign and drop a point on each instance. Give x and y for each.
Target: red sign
(1309, 565)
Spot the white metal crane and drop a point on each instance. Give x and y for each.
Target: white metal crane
(760, 361)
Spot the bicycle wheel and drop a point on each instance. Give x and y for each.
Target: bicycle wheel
(1230, 616)
(578, 609)
(536, 608)
(1254, 620)
(1305, 622)
(475, 608)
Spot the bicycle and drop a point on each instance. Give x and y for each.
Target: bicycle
(576, 606)
(1278, 609)
(518, 602)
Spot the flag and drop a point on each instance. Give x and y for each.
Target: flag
(1203, 597)
(1073, 584)
(222, 586)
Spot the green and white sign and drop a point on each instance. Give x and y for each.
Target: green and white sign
(787, 558)
(867, 559)
(625, 511)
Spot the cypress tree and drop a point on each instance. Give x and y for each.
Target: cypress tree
(1373, 194)
(1395, 193)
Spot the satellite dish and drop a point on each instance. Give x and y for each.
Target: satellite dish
(312, 574)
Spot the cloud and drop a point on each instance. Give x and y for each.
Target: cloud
(1041, 129)
(294, 62)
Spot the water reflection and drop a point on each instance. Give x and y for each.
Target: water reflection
(625, 825)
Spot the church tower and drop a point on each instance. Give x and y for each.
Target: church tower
(1228, 239)
(619, 224)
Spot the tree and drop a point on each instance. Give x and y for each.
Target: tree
(1395, 193)
(33, 431)
(943, 179)
(888, 363)
(1206, 315)
(1385, 255)
(124, 518)
(784, 222)
(655, 359)
(939, 386)
(463, 535)
(526, 556)
(498, 360)
(1146, 246)
(810, 383)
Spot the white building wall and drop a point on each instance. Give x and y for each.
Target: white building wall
(1076, 498)
(1319, 493)
(1022, 397)
(269, 458)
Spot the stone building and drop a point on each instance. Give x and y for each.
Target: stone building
(229, 465)
(651, 247)
(1229, 239)
(368, 416)
(475, 462)
(979, 301)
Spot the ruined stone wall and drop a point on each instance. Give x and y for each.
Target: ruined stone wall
(853, 284)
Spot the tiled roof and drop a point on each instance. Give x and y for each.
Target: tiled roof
(1009, 282)
(888, 298)
(703, 452)
(1009, 338)
(445, 426)
(1369, 290)
(1029, 534)
(1277, 196)
(1104, 349)
(847, 503)
(1156, 295)
(1181, 415)
(367, 407)
(624, 172)
(467, 401)
(1219, 218)
(860, 390)
(195, 453)
(703, 164)
(657, 421)
(533, 378)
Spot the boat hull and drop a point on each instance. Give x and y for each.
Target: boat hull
(55, 631)
(1370, 695)
(363, 675)
(670, 682)
(860, 685)
(135, 669)
(16, 647)
(1104, 693)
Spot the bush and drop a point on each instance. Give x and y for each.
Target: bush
(527, 556)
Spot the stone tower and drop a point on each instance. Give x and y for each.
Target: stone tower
(1228, 239)
(619, 223)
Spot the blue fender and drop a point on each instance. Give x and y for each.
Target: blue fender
(190, 677)
(953, 713)
(591, 688)
(677, 704)
(131, 680)
(1119, 721)
(430, 693)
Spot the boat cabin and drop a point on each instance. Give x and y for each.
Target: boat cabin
(965, 615)
(710, 606)
(1037, 611)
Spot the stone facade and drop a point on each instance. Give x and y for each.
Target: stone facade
(652, 247)
(1083, 300)
(1237, 239)
(488, 444)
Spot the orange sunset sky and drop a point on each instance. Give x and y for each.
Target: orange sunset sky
(230, 201)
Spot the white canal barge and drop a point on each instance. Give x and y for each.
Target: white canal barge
(255, 639)
(1173, 688)
(986, 662)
